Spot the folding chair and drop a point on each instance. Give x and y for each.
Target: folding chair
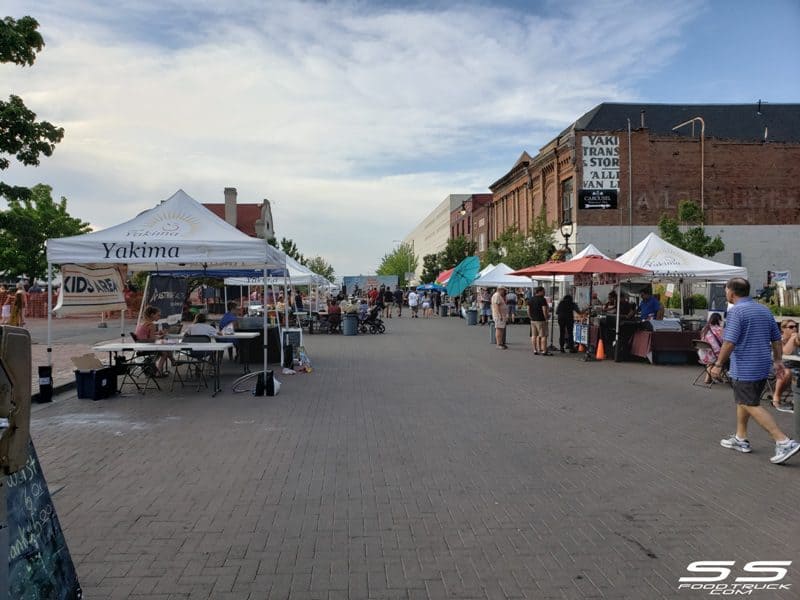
(196, 362)
(769, 391)
(141, 364)
(699, 381)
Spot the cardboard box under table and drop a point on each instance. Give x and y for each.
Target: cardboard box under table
(94, 381)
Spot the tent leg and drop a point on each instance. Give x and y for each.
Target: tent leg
(266, 331)
(552, 346)
(50, 312)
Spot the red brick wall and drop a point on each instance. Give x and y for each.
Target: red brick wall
(745, 183)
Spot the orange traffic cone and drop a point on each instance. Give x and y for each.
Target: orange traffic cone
(581, 348)
(601, 351)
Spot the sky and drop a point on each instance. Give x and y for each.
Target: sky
(355, 118)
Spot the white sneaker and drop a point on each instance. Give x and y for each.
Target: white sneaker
(735, 443)
(785, 451)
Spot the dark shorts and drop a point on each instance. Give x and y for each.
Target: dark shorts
(748, 393)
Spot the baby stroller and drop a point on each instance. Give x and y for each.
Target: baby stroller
(372, 322)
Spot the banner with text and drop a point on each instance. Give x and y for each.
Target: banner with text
(600, 182)
(168, 294)
(90, 289)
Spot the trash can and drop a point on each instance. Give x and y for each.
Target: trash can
(45, 384)
(472, 316)
(350, 324)
(492, 337)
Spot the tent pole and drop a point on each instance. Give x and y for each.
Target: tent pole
(266, 331)
(50, 312)
(617, 357)
(588, 357)
(552, 346)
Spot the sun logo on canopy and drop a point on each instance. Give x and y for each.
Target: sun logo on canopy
(172, 223)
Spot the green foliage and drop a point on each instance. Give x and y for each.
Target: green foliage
(272, 241)
(430, 268)
(456, 250)
(699, 301)
(290, 249)
(694, 238)
(27, 224)
(321, 267)
(21, 136)
(19, 41)
(518, 250)
(398, 262)
(785, 311)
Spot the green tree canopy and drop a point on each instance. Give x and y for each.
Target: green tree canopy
(321, 267)
(693, 237)
(518, 250)
(430, 268)
(398, 262)
(290, 249)
(21, 135)
(27, 224)
(456, 250)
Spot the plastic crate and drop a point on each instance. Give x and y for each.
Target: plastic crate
(96, 385)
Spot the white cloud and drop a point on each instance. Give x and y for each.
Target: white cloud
(355, 121)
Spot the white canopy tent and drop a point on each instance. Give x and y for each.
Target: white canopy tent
(177, 235)
(670, 262)
(499, 275)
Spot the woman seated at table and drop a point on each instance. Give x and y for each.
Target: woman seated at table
(148, 331)
(201, 326)
(791, 344)
(334, 315)
(712, 335)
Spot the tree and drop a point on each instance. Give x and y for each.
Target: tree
(456, 250)
(321, 267)
(290, 249)
(693, 239)
(518, 250)
(431, 268)
(21, 136)
(398, 262)
(27, 224)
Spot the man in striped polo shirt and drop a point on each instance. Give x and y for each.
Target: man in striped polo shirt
(749, 335)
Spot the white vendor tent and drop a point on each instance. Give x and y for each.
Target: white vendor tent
(177, 235)
(670, 262)
(499, 275)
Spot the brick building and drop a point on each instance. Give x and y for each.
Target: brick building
(254, 220)
(742, 162)
(471, 220)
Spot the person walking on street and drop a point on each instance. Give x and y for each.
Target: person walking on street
(398, 300)
(499, 314)
(388, 300)
(749, 335)
(18, 307)
(486, 305)
(539, 312)
(511, 303)
(413, 303)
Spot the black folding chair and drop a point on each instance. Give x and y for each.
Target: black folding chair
(700, 380)
(196, 363)
(139, 365)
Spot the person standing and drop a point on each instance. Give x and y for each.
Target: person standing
(413, 303)
(565, 313)
(388, 300)
(486, 305)
(499, 314)
(539, 312)
(7, 301)
(398, 300)
(750, 332)
(511, 303)
(17, 318)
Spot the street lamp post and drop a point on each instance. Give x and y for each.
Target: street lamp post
(566, 231)
(702, 158)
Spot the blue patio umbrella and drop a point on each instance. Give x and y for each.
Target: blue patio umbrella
(463, 275)
(427, 287)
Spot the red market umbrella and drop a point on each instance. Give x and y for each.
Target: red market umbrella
(444, 277)
(588, 265)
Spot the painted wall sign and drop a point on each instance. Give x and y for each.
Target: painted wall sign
(600, 162)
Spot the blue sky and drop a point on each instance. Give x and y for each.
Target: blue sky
(357, 118)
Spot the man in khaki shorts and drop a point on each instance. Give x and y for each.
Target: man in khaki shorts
(499, 314)
(539, 312)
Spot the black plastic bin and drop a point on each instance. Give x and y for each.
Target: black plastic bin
(45, 384)
(96, 385)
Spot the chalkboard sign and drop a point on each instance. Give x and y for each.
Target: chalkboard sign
(39, 564)
(168, 294)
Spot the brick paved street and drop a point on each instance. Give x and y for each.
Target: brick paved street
(423, 463)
